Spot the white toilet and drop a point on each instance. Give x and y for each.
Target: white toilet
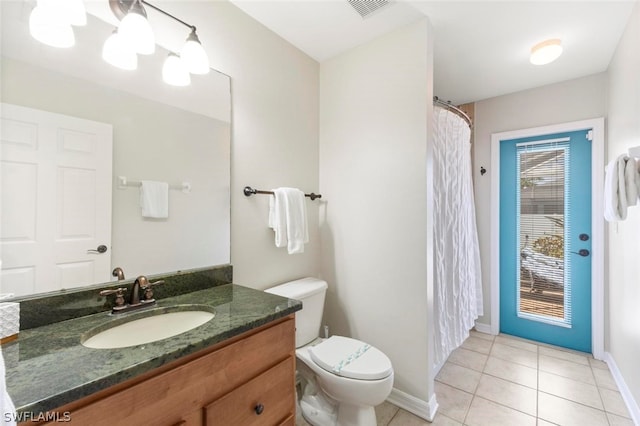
(343, 378)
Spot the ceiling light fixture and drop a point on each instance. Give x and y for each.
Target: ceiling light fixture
(546, 52)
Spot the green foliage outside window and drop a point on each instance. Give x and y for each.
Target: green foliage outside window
(551, 245)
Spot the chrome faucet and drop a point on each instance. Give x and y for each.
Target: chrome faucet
(135, 302)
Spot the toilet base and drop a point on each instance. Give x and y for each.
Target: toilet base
(356, 415)
(319, 409)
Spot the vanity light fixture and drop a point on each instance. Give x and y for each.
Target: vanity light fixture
(174, 71)
(50, 23)
(76, 12)
(116, 52)
(193, 54)
(546, 52)
(136, 31)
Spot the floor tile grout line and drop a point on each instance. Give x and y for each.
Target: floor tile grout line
(513, 362)
(393, 417)
(466, 414)
(510, 381)
(577, 402)
(600, 394)
(505, 406)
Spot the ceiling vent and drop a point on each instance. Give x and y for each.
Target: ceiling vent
(367, 7)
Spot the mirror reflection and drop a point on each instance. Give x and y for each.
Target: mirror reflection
(78, 137)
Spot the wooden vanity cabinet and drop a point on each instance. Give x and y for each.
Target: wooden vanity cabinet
(248, 380)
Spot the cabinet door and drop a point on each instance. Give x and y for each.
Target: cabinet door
(266, 400)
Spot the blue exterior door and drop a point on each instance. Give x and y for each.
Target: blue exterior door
(545, 238)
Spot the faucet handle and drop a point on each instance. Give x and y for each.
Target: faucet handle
(119, 292)
(148, 293)
(148, 284)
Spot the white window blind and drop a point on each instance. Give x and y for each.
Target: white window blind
(543, 282)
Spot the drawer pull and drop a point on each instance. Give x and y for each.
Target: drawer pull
(259, 409)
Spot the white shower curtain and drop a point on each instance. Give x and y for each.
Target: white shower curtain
(458, 281)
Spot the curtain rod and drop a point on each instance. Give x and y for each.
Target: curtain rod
(452, 107)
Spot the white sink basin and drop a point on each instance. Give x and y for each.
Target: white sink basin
(152, 327)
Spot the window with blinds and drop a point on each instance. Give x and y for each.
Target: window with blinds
(543, 224)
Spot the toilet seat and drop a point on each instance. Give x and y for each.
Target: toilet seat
(351, 358)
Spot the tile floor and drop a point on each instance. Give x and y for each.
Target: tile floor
(505, 381)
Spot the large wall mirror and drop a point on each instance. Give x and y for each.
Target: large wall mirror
(157, 132)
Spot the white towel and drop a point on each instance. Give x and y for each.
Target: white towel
(615, 193)
(154, 199)
(7, 409)
(622, 188)
(288, 218)
(637, 175)
(630, 181)
(278, 217)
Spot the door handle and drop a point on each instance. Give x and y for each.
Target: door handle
(582, 252)
(100, 249)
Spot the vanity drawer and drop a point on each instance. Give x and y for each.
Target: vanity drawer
(266, 400)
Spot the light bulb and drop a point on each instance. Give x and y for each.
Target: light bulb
(546, 52)
(48, 26)
(174, 71)
(194, 56)
(117, 53)
(136, 31)
(76, 12)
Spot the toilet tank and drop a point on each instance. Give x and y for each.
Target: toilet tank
(311, 292)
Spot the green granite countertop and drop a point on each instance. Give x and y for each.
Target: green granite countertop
(48, 367)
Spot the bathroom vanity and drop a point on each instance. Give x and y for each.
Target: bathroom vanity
(238, 368)
(247, 381)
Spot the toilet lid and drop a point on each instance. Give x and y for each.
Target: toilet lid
(351, 358)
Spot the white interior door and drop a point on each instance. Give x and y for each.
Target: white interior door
(56, 200)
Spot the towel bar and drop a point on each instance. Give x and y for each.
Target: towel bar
(248, 191)
(123, 182)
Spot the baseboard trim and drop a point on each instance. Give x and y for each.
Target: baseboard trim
(631, 403)
(483, 328)
(422, 409)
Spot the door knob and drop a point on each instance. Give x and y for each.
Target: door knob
(582, 252)
(100, 249)
(584, 237)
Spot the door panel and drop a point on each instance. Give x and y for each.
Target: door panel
(56, 200)
(545, 265)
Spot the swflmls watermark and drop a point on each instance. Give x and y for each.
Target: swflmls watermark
(45, 416)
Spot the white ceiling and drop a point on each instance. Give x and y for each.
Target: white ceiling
(481, 47)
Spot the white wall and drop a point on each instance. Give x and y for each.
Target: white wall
(573, 100)
(624, 237)
(274, 134)
(374, 104)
